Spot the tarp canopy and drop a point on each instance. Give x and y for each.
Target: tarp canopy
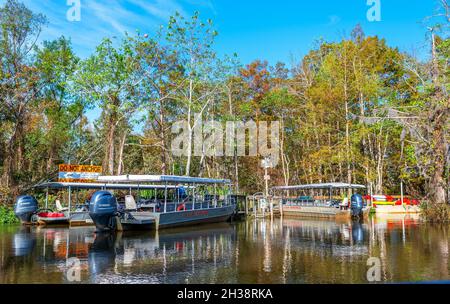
(107, 186)
(162, 179)
(321, 186)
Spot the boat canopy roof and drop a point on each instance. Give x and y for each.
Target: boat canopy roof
(321, 186)
(57, 185)
(161, 179)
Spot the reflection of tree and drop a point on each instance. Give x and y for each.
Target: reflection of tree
(261, 251)
(412, 251)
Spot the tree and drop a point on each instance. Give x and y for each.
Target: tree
(56, 64)
(19, 85)
(107, 79)
(192, 40)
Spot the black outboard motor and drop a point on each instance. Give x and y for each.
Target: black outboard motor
(103, 210)
(357, 205)
(25, 207)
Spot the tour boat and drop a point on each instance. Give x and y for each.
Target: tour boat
(176, 201)
(28, 211)
(322, 206)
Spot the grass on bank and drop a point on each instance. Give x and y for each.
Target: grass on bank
(7, 215)
(436, 213)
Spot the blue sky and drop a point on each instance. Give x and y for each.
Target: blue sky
(254, 29)
(266, 29)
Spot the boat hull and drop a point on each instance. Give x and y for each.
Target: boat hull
(317, 212)
(25, 218)
(146, 221)
(45, 221)
(194, 217)
(81, 219)
(136, 221)
(390, 209)
(76, 219)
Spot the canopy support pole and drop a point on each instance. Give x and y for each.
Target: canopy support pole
(70, 199)
(401, 191)
(46, 199)
(165, 198)
(193, 197)
(215, 195)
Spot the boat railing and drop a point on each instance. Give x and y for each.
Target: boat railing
(311, 203)
(188, 203)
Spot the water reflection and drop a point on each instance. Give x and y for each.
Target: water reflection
(24, 242)
(173, 256)
(259, 251)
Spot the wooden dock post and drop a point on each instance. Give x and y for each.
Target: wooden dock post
(281, 208)
(157, 222)
(246, 205)
(118, 224)
(271, 207)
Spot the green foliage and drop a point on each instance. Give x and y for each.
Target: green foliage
(337, 107)
(7, 216)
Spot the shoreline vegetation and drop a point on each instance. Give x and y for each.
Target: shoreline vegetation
(355, 110)
(7, 216)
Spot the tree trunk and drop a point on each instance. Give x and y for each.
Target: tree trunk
(108, 161)
(437, 182)
(189, 147)
(347, 122)
(120, 165)
(439, 117)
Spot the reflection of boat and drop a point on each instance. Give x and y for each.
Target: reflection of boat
(24, 242)
(346, 238)
(154, 250)
(101, 253)
(397, 220)
(170, 205)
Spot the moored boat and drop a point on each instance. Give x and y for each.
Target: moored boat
(177, 201)
(322, 206)
(386, 204)
(48, 217)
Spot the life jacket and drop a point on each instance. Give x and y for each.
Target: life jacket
(181, 207)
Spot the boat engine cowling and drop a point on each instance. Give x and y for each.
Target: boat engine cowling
(25, 207)
(357, 205)
(103, 210)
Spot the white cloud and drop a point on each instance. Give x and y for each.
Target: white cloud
(106, 18)
(161, 9)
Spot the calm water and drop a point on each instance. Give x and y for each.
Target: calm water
(259, 251)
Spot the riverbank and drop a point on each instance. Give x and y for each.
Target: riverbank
(7, 216)
(436, 213)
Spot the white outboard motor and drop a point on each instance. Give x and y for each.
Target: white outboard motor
(357, 205)
(26, 206)
(103, 210)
